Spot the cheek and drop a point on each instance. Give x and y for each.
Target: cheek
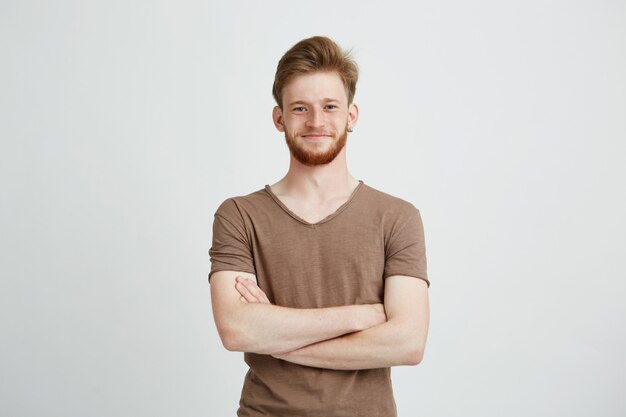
(291, 126)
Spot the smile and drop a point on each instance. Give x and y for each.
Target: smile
(316, 136)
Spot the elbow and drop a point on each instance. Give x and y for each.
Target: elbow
(237, 340)
(231, 346)
(232, 340)
(413, 346)
(233, 333)
(413, 351)
(414, 356)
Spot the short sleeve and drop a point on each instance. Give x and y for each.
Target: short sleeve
(405, 250)
(230, 249)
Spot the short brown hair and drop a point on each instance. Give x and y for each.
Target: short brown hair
(318, 53)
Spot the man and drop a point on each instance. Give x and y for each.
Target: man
(319, 278)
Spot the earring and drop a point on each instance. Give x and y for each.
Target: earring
(350, 129)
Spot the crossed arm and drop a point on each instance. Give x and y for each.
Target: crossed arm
(345, 337)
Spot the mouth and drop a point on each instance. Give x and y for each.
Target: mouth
(316, 136)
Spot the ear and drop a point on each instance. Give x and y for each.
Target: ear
(353, 115)
(277, 116)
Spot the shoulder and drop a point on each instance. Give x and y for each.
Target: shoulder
(389, 205)
(240, 205)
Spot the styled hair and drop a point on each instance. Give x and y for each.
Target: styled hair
(318, 53)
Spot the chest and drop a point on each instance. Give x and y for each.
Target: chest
(335, 263)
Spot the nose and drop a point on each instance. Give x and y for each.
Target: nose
(315, 119)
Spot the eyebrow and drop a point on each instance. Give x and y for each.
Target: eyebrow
(324, 100)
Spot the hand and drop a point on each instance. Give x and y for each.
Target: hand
(250, 292)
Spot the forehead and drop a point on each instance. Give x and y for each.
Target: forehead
(315, 86)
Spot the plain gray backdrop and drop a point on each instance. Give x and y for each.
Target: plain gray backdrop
(125, 124)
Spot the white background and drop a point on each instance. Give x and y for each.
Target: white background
(123, 125)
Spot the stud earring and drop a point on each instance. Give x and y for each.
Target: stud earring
(350, 129)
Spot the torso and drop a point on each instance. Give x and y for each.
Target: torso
(343, 259)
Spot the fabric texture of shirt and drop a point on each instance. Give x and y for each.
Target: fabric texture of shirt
(341, 260)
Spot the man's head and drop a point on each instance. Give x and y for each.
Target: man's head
(314, 87)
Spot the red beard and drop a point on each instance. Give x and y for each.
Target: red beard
(307, 155)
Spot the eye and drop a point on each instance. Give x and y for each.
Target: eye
(332, 106)
(299, 109)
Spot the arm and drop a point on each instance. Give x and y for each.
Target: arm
(399, 341)
(260, 327)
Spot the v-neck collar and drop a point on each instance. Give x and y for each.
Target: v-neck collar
(325, 219)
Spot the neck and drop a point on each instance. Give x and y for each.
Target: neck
(317, 182)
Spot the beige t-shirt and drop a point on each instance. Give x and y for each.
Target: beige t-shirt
(340, 260)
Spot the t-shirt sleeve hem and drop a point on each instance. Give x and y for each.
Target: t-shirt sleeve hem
(231, 269)
(413, 275)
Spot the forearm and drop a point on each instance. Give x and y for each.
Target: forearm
(389, 344)
(270, 329)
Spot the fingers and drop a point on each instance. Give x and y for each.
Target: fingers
(250, 291)
(245, 292)
(262, 297)
(257, 292)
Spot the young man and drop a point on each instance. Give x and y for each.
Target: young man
(320, 279)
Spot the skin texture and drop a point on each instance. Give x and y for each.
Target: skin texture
(269, 329)
(316, 118)
(398, 341)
